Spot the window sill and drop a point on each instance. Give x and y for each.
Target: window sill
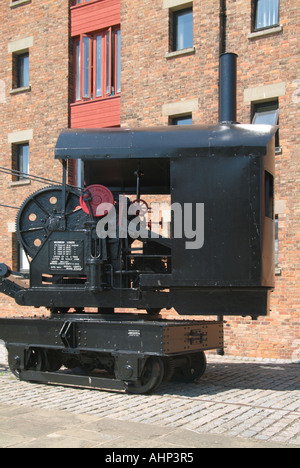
(99, 99)
(265, 32)
(278, 150)
(24, 89)
(277, 271)
(180, 53)
(19, 3)
(20, 183)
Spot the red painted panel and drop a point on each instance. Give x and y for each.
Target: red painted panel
(94, 16)
(96, 114)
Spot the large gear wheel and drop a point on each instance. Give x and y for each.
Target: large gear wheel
(42, 213)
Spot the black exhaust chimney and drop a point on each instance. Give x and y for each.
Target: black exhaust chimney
(228, 83)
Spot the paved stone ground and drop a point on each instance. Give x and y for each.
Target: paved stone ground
(257, 401)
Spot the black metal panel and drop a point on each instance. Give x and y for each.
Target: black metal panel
(187, 300)
(223, 187)
(222, 301)
(106, 334)
(163, 142)
(63, 378)
(44, 261)
(31, 332)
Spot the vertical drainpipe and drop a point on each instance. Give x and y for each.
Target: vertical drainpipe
(222, 32)
(227, 73)
(222, 50)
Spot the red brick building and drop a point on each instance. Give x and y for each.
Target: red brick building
(171, 82)
(164, 71)
(34, 101)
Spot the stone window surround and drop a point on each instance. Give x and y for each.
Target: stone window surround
(265, 93)
(18, 47)
(279, 211)
(265, 32)
(17, 138)
(180, 108)
(175, 5)
(19, 3)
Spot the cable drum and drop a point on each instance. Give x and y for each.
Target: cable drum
(44, 212)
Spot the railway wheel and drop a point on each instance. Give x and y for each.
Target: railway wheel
(169, 368)
(192, 368)
(14, 363)
(36, 360)
(54, 360)
(152, 376)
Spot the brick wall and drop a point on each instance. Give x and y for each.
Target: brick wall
(157, 85)
(150, 80)
(272, 62)
(35, 115)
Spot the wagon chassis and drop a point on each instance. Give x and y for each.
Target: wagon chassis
(116, 352)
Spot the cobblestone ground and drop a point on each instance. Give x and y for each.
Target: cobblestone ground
(239, 398)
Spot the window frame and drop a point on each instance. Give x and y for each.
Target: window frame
(179, 120)
(255, 28)
(109, 65)
(174, 23)
(83, 2)
(265, 107)
(107, 71)
(23, 262)
(96, 68)
(23, 70)
(20, 174)
(86, 95)
(23, 173)
(20, 73)
(276, 254)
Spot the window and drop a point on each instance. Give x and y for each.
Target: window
(183, 29)
(20, 50)
(267, 113)
(20, 261)
(23, 161)
(269, 195)
(23, 263)
(266, 14)
(79, 173)
(78, 2)
(183, 120)
(20, 161)
(98, 65)
(23, 70)
(276, 242)
(20, 70)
